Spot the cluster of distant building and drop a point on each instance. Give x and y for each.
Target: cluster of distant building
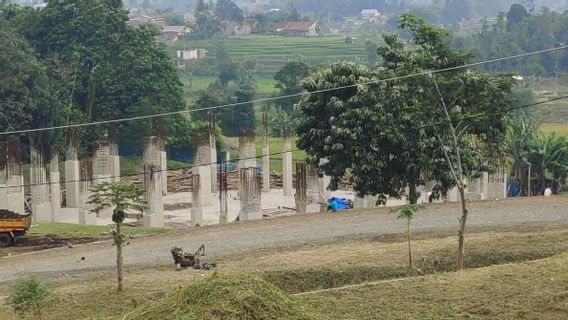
(227, 28)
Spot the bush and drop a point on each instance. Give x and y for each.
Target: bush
(30, 298)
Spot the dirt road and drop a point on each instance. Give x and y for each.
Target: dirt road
(97, 258)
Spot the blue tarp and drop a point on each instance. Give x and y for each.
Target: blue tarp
(337, 204)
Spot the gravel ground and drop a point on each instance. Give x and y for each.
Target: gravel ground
(97, 258)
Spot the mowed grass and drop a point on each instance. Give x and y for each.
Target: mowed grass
(74, 230)
(535, 290)
(487, 292)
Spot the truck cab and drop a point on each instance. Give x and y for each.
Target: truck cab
(12, 226)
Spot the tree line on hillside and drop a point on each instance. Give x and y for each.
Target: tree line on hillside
(518, 31)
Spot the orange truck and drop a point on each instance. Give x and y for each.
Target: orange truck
(12, 227)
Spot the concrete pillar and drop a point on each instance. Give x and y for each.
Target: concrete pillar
(213, 153)
(114, 160)
(196, 200)
(250, 194)
(164, 166)
(202, 168)
(72, 177)
(287, 174)
(101, 162)
(265, 155)
(153, 182)
(323, 183)
(85, 175)
(55, 186)
(247, 149)
(14, 190)
(41, 208)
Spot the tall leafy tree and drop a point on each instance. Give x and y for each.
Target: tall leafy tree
(389, 135)
(228, 10)
(110, 70)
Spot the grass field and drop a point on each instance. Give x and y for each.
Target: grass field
(74, 230)
(500, 282)
(270, 52)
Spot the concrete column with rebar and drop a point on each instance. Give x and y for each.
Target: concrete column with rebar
(39, 186)
(287, 174)
(201, 187)
(72, 177)
(86, 217)
(153, 182)
(101, 162)
(265, 155)
(15, 199)
(213, 151)
(250, 194)
(55, 187)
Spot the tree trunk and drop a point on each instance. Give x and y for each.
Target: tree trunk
(461, 231)
(412, 197)
(409, 251)
(119, 258)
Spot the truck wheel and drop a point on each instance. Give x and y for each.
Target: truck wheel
(6, 240)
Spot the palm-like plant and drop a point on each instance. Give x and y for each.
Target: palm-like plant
(122, 196)
(549, 155)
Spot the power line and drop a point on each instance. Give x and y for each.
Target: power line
(295, 150)
(282, 97)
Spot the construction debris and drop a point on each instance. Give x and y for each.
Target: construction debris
(196, 260)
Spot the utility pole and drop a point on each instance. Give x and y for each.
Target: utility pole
(529, 181)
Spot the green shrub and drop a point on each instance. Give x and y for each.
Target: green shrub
(30, 298)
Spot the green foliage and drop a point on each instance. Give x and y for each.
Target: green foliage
(102, 68)
(522, 33)
(407, 212)
(122, 196)
(207, 26)
(228, 10)
(173, 19)
(388, 135)
(29, 298)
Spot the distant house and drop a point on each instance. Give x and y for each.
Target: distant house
(368, 14)
(239, 28)
(145, 20)
(301, 28)
(174, 33)
(182, 56)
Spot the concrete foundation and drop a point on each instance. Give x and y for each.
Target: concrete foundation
(287, 174)
(153, 182)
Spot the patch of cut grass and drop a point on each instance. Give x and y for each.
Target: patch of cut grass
(226, 297)
(537, 290)
(74, 230)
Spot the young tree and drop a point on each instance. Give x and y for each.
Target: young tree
(228, 10)
(121, 196)
(289, 81)
(407, 212)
